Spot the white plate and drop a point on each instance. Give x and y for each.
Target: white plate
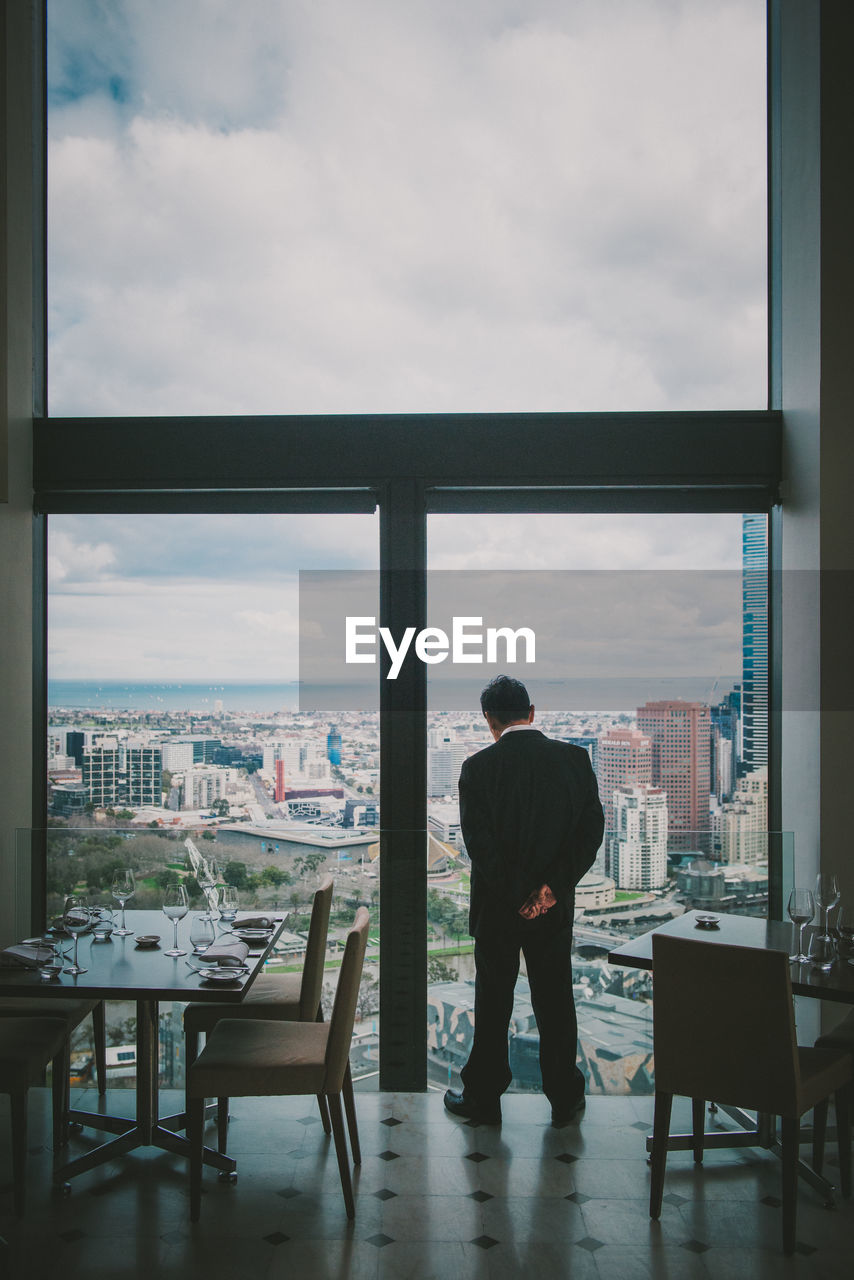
(222, 973)
(707, 922)
(252, 935)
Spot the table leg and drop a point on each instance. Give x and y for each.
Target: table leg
(146, 1130)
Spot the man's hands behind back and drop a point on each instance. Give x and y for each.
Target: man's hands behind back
(539, 902)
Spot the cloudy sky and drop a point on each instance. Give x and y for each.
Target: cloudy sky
(387, 205)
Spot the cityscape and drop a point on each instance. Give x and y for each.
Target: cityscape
(279, 797)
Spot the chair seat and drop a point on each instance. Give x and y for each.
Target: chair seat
(256, 1058)
(27, 1045)
(823, 1071)
(71, 1012)
(841, 1037)
(275, 996)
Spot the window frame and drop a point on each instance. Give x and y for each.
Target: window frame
(407, 465)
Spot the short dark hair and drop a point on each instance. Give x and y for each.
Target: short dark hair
(505, 700)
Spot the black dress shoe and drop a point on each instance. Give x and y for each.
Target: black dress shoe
(459, 1105)
(571, 1115)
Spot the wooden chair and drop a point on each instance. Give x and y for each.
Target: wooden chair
(283, 997)
(72, 1012)
(27, 1045)
(724, 1030)
(261, 1058)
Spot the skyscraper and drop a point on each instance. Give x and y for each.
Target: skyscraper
(101, 773)
(625, 758)
(638, 845)
(333, 745)
(680, 733)
(724, 745)
(144, 775)
(754, 626)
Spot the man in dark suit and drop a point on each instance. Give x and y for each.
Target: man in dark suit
(532, 823)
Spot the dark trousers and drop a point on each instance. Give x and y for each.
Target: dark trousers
(549, 964)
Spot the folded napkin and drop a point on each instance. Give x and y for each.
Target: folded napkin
(26, 954)
(255, 922)
(228, 953)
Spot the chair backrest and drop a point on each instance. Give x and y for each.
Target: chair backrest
(315, 953)
(724, 1026)
(344, 1008)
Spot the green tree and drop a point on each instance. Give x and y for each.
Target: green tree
(439, 971)
(208, 835)
(275, 877)
(235, 874)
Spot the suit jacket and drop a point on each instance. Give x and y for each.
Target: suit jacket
(530, 815)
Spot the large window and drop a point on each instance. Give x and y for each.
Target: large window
(651, 639)
(497, 219)
(177, 731)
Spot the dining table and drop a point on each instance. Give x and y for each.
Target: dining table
(835, 984)
(122, 969)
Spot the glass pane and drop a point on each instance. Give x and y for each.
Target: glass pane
(177, 745)
(287, 208)
(651, 654)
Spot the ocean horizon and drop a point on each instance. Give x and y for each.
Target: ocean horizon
(172, 695)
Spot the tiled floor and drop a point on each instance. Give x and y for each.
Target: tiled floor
(435, 1198)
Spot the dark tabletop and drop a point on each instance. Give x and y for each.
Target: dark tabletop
(748, 931)
(119, 970)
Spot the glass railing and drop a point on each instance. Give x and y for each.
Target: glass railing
(273, 874)
(613, 1004)
(267, 873)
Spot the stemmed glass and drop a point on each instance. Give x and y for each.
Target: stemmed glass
(801, 909)
(124, 887)
(845, 929)
(826, 895)
(175, 907)
(76, 918)
(208, 878)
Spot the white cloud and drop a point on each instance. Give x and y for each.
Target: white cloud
(401, 205)
(69, 560)
(430, 207)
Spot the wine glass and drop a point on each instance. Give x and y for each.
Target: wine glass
(76, 918)
(801, 909)
(202, 933)
(124, 887)
(208, 877)
(175, 907)
(845, 928)
(826, 895)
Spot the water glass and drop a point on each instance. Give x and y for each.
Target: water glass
(50, 961)
(229, 902)
(202, 933)
(103, 924)
(821, 951)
